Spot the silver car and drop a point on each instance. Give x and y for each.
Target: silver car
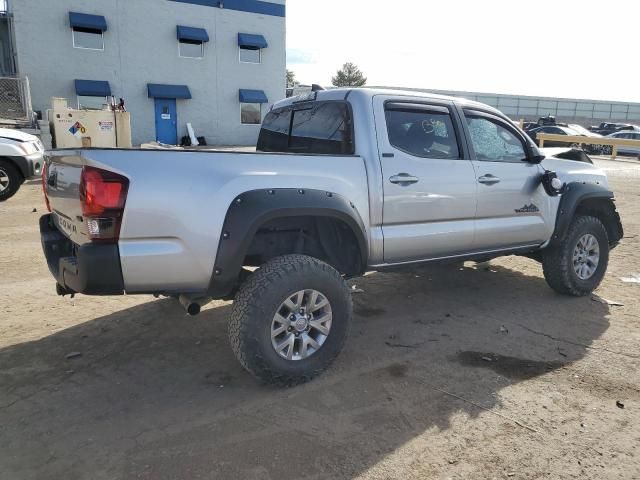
(627, 150)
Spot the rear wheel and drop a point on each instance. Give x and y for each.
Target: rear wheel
(290, 319)
(577, 265)
(10, 180)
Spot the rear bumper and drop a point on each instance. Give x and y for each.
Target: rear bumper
(91, 269)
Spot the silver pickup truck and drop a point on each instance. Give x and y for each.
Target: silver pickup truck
(344, 181)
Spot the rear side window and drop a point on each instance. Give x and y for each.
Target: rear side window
(274, 134)
(422, 132)
(320, 128)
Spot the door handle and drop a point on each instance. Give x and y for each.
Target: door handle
(488, 179)
(403, 179)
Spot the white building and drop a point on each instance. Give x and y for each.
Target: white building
(217, 64)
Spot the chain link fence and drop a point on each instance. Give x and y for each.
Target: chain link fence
(15, 100)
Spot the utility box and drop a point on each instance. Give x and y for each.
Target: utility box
(88, 128)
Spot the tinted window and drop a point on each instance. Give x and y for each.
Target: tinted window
(274, 134)
(91, 103)
(250, 113)
(191, 49)
(88, 38)
(492, 141)
(250, 55)
(323, 128)
(422, 133)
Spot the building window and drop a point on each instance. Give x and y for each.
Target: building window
(191, 49)
(250, 113)
(91, 103)
(88, 38)
(250, 55)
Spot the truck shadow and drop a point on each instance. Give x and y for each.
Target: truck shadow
(156, 394)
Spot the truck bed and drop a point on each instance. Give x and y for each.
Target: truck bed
(177, 201)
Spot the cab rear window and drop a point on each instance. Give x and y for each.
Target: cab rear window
(320, 128)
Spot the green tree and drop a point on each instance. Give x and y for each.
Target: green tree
(291, 79)
(349, 76)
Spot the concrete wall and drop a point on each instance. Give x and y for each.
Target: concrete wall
(568, 110)
(141, 47)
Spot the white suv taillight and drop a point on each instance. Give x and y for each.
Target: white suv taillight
(103, 195)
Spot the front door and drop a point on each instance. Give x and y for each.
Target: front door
(166, 121)
(429, 188)
(512, 204)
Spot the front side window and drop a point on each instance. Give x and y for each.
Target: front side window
(493, 142)
(191, 48)
(88, 38)
(422, 132)
(91, 103)
(250, 55)
(250, 113)
(318, 128)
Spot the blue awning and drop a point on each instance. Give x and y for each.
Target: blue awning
(249, 40)
(157, 90)
(93, 88)
(253, 96)
(192, 34)
(84, 20)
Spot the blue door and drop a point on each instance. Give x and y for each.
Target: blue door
(166, 121)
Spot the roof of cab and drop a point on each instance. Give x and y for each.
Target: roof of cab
(343, 93)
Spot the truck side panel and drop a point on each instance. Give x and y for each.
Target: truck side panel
(178, 201)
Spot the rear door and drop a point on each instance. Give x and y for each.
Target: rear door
(429, 187)
(512, 204)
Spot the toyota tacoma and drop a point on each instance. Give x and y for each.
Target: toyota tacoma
(343, 182)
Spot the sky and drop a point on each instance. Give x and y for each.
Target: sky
(560, 48)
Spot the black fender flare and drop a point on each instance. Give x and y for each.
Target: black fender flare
(252, 209)
(575, 194)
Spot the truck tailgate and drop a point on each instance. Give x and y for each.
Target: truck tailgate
(62, 186)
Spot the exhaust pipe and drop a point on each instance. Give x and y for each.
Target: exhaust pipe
(193, 305)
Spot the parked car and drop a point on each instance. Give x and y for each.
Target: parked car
(21, 157)
(624, 149)
(594, 149)
(607, 128)
(526, 126)
(555, 130)
(344, 181)
(548, 120)
(572, 130)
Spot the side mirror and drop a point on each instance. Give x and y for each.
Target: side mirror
(536, 158)
(534, 155)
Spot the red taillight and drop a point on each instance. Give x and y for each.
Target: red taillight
(44, 185)
(102, 195)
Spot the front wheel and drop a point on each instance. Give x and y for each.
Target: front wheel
(577, 265)
(290, 319)
(10, 180)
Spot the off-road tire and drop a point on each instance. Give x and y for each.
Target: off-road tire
(557, 261)
(15, 179)
(257, 302)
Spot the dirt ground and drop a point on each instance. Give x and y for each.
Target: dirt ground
(480, 372)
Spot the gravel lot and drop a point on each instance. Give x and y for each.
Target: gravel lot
(480, 372)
